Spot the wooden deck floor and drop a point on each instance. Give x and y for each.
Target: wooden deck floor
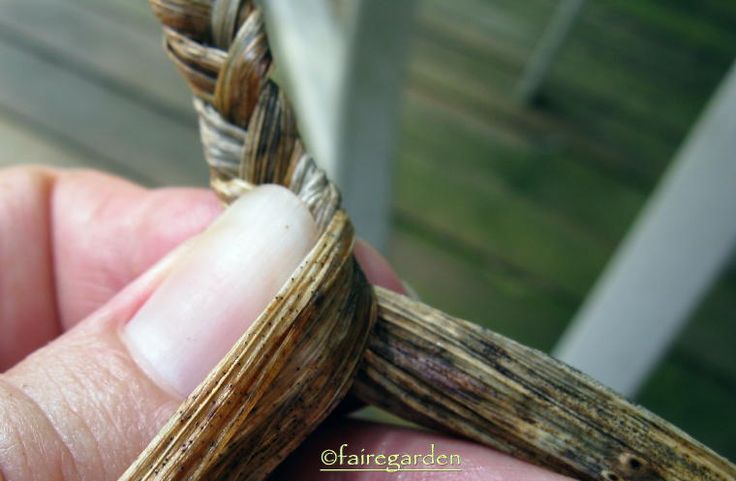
(503, 215)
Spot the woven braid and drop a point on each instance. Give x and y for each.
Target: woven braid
(247, 126)
(298, 360)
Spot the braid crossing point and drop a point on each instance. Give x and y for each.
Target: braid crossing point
(328, 330)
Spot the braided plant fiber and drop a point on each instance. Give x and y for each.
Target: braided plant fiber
(328, 332)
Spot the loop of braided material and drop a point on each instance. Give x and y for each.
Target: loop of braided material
(297, 361)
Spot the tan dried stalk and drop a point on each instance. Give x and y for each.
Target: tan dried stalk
(298, 360)
(453, 375)
(280, 379)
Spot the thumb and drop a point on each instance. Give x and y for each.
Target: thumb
(85, 405)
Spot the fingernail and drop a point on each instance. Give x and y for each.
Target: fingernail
(219, 286)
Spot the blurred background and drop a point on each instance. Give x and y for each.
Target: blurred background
(503, 210)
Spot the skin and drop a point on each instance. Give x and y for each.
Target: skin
(65, 423)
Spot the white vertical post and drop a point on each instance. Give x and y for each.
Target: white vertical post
(368, 119)
(346, 82)
(547, 50)
(310, 46)
(674, 252)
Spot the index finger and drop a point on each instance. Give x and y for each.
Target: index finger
(70, 240)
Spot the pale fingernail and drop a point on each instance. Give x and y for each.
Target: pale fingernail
(219, 286)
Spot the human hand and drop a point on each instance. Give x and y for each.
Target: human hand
(115, 302)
